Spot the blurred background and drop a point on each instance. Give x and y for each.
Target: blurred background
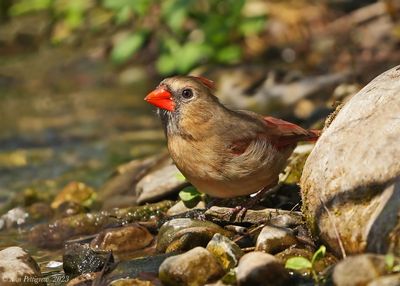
(73, 73)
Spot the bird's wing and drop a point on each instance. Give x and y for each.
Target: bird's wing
(283, 133)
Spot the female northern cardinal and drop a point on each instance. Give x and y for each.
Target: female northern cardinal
(224, 153)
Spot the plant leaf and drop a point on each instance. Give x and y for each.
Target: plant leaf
(126, 47)
(298, 263)
(320, 253)
(189, 194)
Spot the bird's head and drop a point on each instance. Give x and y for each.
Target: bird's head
(183, 97)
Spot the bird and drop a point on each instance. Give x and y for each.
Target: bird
(222, 152)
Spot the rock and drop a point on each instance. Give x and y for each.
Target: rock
(195, 267)
(54, 235)
(351, 180)
(184, 234)
(225, 251)
(84, 279)
(180, 208)
(14, 217)
(389, 280)
(119, 191)
(224, 215)
(160, 184)
(80, 258)
(122, 239)
(17, 267)
(131, 282)
(69, 208)
(75, 192)
(263, 269)
(274, 239)
(359, 269)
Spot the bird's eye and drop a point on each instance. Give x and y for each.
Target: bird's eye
(187, 93)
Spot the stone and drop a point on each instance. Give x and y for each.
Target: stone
(17, 267)
(80, 258)
(359, 269)
(273, 239)
(122, 239)
(131, 282)
(225, 251)
(351, 180)
(83, 279)
(193, 268)
(388, 280)
(13, 218)
(263, 269)
(185, 233)
(159, 184)
(180, 208)
(75, 192)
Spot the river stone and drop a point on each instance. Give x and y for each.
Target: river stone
(359, 270)
(389, 280)
(274, 239)
(122, 239)
(75, 192)
(354, 172)
(225, 251)
(193, 268)
(263, 269)
(159, 184)
(17, 267)
(184, 233)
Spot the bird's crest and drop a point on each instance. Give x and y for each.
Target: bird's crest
(207, 82)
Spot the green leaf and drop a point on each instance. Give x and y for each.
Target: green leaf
(298, 263)
(320, 253)
(252, 25)
(229, 54)
(189, 194)
(126, 47)
(166, 64)
(389, 260)
(180, 177)
(26, 6)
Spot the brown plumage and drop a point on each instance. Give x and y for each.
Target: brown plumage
(222, 152)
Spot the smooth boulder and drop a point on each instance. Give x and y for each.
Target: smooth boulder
(351, 180)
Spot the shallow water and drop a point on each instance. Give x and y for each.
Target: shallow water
(65, 117)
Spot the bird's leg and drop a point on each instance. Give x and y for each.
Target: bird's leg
(240, 211)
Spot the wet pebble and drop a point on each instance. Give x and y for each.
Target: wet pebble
(84, 279)
(195, 267)
(184, 234)
(76, 192)
(274, 239)
(17, 267)
(131, 282)
(225, 251)
(359, 269)
(14, 217)
(122, 239)
(180, 208)
(80, 258)
(262, 269)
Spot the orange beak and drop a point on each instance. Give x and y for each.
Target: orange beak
(161, 98)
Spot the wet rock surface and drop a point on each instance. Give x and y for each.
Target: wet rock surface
(184, 233)
(195, 267)
(350, 183)
(122, 239)
(226, 252)
(259, 268)
(17, 267)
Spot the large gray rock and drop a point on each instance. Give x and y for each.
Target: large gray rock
(351, 180)
(17, 267)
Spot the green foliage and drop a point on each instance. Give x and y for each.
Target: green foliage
(391, 264)
(190, 196)
(300, 263)
(181, 33)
